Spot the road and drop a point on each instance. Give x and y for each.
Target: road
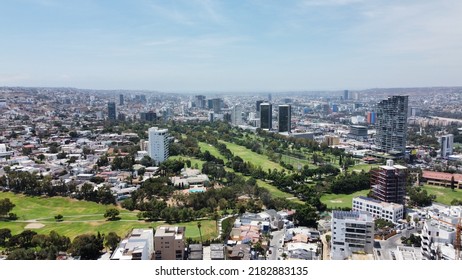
(276, 245)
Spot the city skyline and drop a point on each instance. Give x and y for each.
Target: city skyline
(218, 46)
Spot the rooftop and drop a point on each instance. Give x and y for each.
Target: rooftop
(353, 215)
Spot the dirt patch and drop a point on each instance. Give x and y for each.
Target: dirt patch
(34, 226)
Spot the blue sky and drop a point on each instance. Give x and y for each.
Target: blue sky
(254, 45)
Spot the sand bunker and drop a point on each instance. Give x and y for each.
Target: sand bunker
(34, 226)
(335, 201)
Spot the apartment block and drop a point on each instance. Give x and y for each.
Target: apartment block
(378, 209)
(169, 243)
(352, 232)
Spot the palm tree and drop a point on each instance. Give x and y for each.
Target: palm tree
(199, 227)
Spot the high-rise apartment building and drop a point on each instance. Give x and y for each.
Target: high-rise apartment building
(388, 183)
(285, 118)
(446, 145)
(391, 125)
(111, 111)
(345, 95)
(352, 231)
(169, 243)
(236, 115)
(266, 116)
(199, 100)
(216, 105)
(158, 144)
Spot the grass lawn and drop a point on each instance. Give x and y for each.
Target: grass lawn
(82, 217)
(194, 161)
(249, 156)
(212, 150)
(341, 200)
(296, 162)
(443, 195)
(366, 167)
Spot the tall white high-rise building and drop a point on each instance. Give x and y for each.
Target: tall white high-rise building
(158, 144)
(352, 231)
(446, 144)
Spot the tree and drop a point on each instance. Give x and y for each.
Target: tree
(5, 234)
(6, 206)
(22, 254)
(112, 214)
(306, 215)
(453, 183)
(87, 246)
(382, 223)
(112, 240)
(199, 225)
(59, 218)
(328, 238)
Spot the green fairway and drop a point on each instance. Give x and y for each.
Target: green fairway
(341, 200)
(366, 167)
(212, 150)
(443, 195)
(82, 217)
(252, 157)
(194, 161)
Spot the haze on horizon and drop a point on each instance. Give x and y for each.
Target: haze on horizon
(201, 45)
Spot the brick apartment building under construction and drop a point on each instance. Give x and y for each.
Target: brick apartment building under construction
(388, 183)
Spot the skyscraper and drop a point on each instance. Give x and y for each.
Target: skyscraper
(285, 118)
(236, 115)
(266, 116)
(158, 144)
(391, 125)
(111, 111)
(199, 100)
(216, 104)
(446, 145)
(345, 95)
(388, 183)
(121, 100)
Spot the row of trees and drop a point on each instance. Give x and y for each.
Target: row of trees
(35, 184)
(29, 245)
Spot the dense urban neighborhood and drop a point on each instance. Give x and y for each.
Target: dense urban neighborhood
(140, 175)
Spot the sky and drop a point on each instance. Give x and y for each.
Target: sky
(253, 45)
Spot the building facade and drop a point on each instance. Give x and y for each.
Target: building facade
(139, 245)
(158, 144)
(358, 132)
(446, 145)
(111, 111)
(391, 125)
(439, 233)
(236, 115)
(381, 210)
(169, 243)
(285, 118)
(352, 231)
(266, 116)
(388, 183)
